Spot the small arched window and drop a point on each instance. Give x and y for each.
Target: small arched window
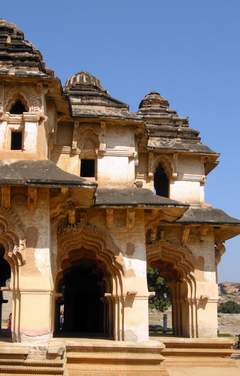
(89, 145)
(18, 107)
(161, 182)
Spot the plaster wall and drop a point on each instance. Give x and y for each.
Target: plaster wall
(116, 167)
(132, 244)
(186, 191)
(188, 186)
(115, 171)
(30, 137)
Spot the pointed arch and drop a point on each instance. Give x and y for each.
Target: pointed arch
(167, 164)
(13, 243)
(176, 264)
(17, 104)
(80, 242)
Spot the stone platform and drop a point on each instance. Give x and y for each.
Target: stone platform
(200, 357)
(105, 357)
(89, 357)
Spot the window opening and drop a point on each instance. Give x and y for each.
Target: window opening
(87, 168)
(18, 108)
(16, 140)
(161, 182)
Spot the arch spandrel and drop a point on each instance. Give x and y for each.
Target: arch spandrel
(12, 236)
(91, 237)
(30, 98)
(173, 252)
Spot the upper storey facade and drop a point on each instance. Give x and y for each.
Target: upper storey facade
(86, 132)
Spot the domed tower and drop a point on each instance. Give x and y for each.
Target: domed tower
(25, 88)
(99, 134)
(178, 162)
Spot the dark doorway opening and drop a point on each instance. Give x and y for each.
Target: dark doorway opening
(161, 182)
(16, 140)
(5, 296)
(82, 310)
(87, 168)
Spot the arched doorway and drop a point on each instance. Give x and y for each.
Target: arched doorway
(84, 249)
(161, 182)
(5, 296)
(83, 309)
(178, 321)
(175, 264)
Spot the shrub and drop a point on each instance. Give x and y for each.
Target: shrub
(229, 307)
(161, 300)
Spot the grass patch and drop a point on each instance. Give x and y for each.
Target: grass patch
(228, 335)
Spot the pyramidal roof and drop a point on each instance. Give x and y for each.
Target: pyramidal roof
(88, 98)
(18, 55)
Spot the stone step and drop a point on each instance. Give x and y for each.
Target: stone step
(115, 347)
(112, 372)
(113, 357)
(30, 370)
(197, 343)
(207, 352)
(32, 363)
(199, 361)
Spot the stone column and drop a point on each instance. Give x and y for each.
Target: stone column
(35, 281)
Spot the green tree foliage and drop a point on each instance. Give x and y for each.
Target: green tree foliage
(161, 300)
(229, 307)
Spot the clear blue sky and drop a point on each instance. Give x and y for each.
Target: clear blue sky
(187, 50)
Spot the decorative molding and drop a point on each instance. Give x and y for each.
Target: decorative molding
(219, 251)
(109, 217)
(6, 197)
(13, 242)
(28, 95)
(168, 163)
(32, 198)
(130, 218)
(185, 235)
(173, 252)
(89, 241)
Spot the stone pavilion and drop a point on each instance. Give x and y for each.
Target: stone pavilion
(92, 194)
